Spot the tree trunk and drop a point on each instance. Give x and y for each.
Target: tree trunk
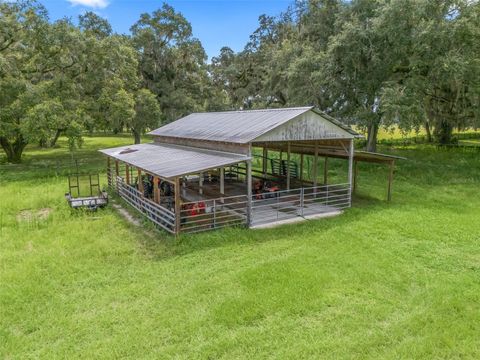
(428, 131)
(136, 136)
(55, 138)
(13, 150)
(372, 133)
(443, 132)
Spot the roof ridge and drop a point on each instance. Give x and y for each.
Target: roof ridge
(255, 110)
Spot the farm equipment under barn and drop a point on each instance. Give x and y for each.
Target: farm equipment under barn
(92, 199)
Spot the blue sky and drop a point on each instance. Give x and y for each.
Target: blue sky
(215, 22)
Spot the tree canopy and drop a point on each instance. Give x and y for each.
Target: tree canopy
(372, 64)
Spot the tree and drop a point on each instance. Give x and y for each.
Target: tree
(438, 76)
(172, 62)
(147, 114)
(94, 25)
(32, 54)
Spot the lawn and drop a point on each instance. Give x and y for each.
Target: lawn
(383, 280)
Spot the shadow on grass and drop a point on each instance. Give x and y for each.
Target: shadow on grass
(162, 245)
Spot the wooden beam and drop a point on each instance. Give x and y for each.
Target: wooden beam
(178, 205)
(200, 184)
(117, 171)
(390, 180)
(109, 172)
(156, 189)
(139, 181)
(222, 181)
(127, 174)
(288, 165)
(264, 163)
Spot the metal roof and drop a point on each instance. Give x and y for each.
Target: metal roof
(234, 126)
(169, 161)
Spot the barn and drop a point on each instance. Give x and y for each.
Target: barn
(253, 168)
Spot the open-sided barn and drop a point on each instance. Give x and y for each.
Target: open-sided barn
(197, 174)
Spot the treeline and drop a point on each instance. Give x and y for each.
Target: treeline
(403, 63)
(408, 63)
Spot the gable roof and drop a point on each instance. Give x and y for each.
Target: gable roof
(237, 126)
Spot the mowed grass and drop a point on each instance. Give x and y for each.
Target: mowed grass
(387, 281)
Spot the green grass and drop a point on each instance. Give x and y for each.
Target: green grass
(387, 281)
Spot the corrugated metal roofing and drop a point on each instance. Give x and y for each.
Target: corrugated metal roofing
(234, 126)
(229, 126)
(169, 161)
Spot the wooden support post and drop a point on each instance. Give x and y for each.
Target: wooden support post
(350, 169)
(315, 165)
(325, 171)
(139, 181)
(390, 180)
(156, 189)
(222, 181)
(264, 164)
(117, 171)
(301, 169)
(288, 165)
(109, 172)
(200, 184)
(249, 193)
(355, 176)
(127, 174)
(178, 205)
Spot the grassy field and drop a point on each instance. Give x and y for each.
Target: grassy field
(383, 280)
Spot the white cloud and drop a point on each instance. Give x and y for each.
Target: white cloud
(99, 4)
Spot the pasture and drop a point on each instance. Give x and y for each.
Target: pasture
(383, 280)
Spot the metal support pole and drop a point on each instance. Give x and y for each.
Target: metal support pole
(315, 167)
(355, 176)
(249, 193)
(200, 184)
(301, 169)
(288, 165)
(350, 170)
(325, 171)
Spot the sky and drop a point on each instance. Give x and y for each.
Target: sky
(216, 23)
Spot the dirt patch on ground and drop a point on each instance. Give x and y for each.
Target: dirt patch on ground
(30, 215)
(127, 215)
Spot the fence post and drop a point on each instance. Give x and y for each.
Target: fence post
(278, 203)
(302, 201)
(214, 214)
